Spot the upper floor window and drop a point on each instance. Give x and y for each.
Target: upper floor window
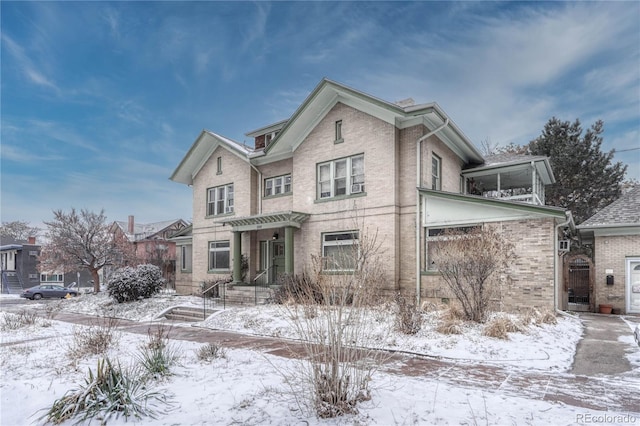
(340, 251)
(341, 177)
(219, 166)
(436, 172)
(220, 200)
(277, 185)
(219, 255)
(339, 131)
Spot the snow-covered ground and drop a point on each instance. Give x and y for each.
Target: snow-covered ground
(248, 387)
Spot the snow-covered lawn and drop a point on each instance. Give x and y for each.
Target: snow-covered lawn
(247, 387)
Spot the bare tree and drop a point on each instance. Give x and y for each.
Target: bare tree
(470, 262)
(81, 240)
(332, 314)
(18, 230)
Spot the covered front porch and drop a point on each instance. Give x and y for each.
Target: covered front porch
(271, 251)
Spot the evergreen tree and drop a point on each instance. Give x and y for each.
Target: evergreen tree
(586, 178)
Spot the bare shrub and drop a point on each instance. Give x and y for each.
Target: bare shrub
(301, 288)
(470, 262)
(10, 321)
(95, 339)
(500, 325)
(211, 351)
(536, 317)
(449, 326)
(331, 316)
(408, 318)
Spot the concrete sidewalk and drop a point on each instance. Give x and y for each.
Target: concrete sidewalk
(605, 391)
(601, 350)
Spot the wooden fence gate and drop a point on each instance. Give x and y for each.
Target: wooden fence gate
(578, 283)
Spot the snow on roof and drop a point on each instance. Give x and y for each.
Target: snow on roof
(508, 158)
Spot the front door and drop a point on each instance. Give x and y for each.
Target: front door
(277, 260)
(633, 286)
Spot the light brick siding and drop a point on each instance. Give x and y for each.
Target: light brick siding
(530, 280)
(610, 252)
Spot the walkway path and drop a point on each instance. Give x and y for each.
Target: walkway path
(607, 390)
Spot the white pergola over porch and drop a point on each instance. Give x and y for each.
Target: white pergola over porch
(287, 220)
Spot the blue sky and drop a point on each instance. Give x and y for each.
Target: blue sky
(101, 100)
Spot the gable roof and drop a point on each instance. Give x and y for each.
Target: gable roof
(205, 144)
(142, 231)
(624, 212)
(328, 93)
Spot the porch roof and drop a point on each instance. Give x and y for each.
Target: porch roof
(267, 221)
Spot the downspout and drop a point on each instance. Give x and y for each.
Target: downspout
(418, 185)
(259, 187)
(556, 285)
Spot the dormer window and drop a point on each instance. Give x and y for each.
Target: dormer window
(269, 137)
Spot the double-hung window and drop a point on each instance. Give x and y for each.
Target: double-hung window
(220, 200)
(219, 255)
(277, 185)
(340, 251)
(341, 177)
(436, 172)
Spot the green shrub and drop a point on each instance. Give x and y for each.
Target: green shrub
(158, 355)
(128, 283)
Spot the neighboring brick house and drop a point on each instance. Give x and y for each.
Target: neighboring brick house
(150, 243)
(615, 234)
(345, 164)
(20, 267)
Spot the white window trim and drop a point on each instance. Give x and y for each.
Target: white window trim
(346, 243)
(436, 178)
(184, 265)
(351, 187)
(213, 204)
(219, 249)
(271, 185)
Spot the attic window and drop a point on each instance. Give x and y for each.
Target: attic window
(339, 132)
(219, 165)
(269, 137)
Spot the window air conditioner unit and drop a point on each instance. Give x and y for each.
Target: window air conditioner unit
(356, 188)
(564, 245)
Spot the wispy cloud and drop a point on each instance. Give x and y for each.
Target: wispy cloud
(26, 65)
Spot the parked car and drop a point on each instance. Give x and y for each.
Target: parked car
(48, 290)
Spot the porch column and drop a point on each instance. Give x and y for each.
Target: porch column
(288, 249)
(237, 257)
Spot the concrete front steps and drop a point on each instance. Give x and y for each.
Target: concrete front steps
(188, 314)
(246, 295)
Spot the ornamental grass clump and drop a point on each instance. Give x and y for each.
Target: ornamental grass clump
(108, 393)
(157, 356)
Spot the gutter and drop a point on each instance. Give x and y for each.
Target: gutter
(568, 222)
(259, 187)
(418, 185)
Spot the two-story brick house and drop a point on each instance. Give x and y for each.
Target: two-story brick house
(405, 171)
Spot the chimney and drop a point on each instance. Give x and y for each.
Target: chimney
(32, 241)
(131, 227)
